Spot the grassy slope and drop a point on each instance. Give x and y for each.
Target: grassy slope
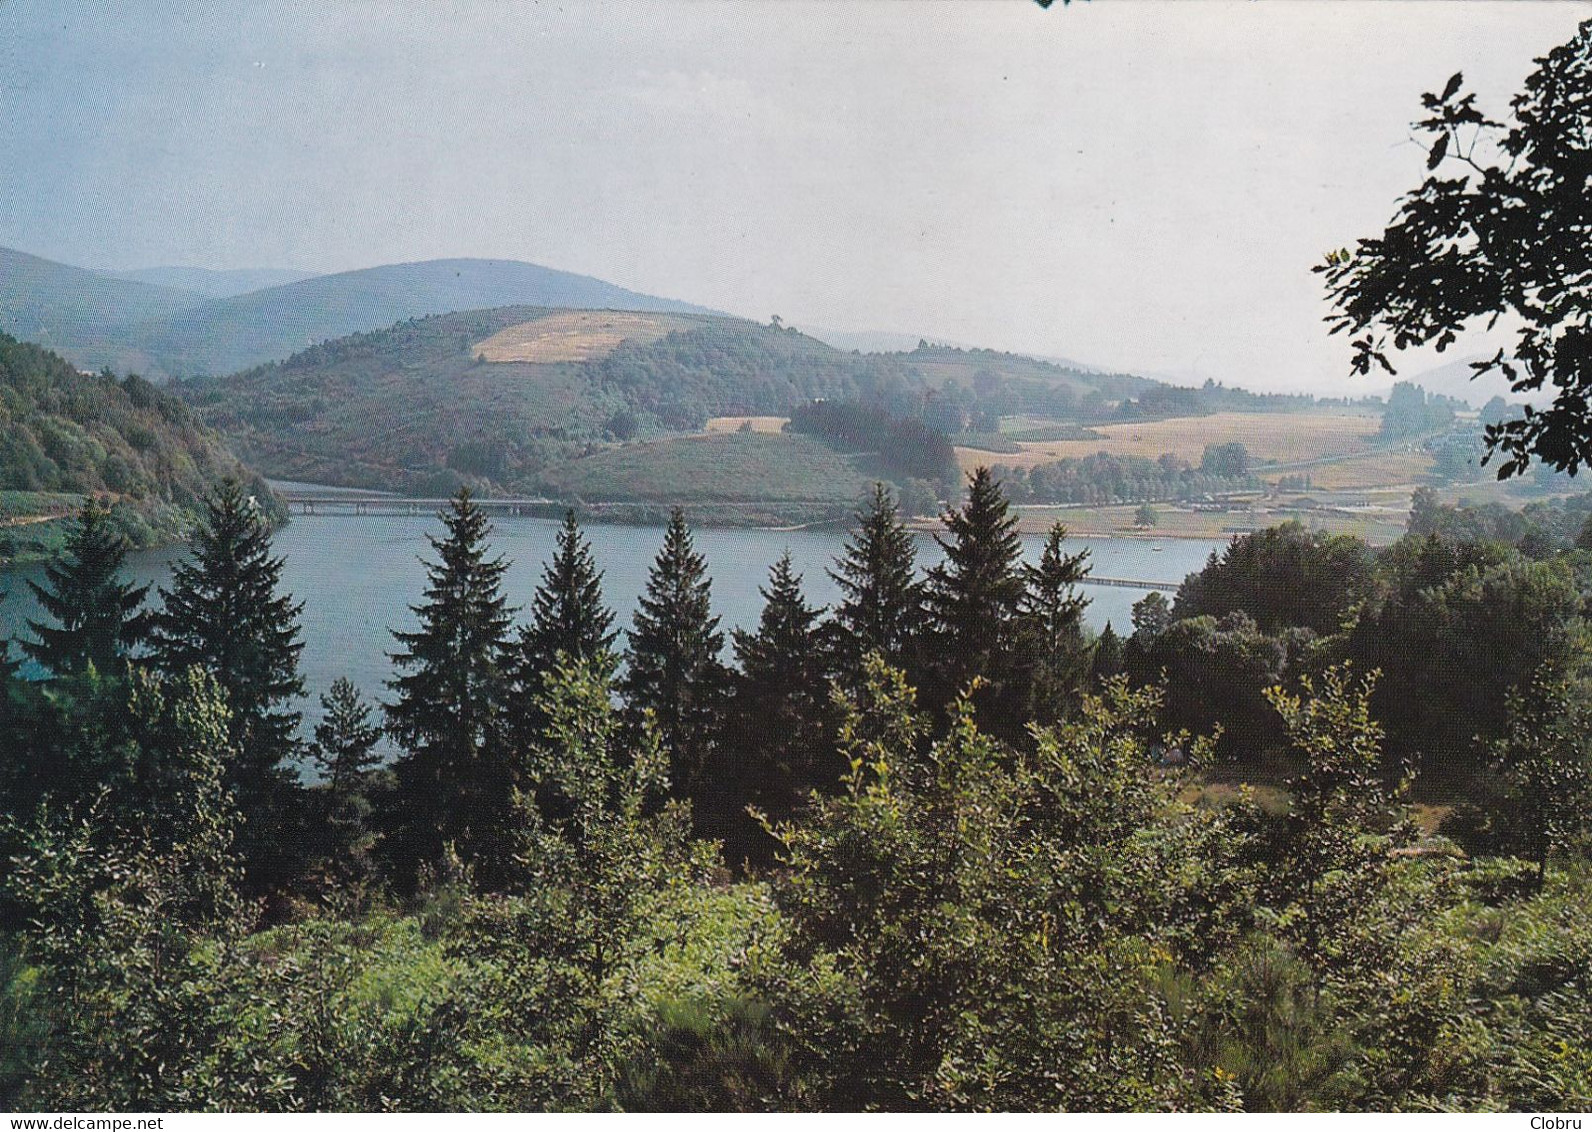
(726, 467)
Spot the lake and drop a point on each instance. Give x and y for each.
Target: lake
(358, 575)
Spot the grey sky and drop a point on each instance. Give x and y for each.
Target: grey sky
(1132, 184)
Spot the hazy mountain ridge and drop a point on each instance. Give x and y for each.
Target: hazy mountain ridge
(84, 315)
(214, 284)
(98, 320)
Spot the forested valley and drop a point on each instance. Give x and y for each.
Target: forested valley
(1311, 834)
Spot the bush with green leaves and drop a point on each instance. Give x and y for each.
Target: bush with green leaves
(969, 926)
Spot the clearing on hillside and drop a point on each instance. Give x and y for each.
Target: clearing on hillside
(725, 467)
(574, 336)
(738, 424)
(1283, 437)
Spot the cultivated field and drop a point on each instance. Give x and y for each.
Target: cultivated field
(725, 467)
(1376, 527)
(574, 336)
(1283, 437)
(1379, 469)
(735, 424)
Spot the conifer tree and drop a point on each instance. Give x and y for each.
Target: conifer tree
(10, 712)
(674, 666)
(1055, 653)
(224, 613)
(98, 616)
(881, 606)
(1109, 658)
(9, 666)
(455, 777)
(345, 739)
(778, 724)
(344, 749)
(569, 616)
(975, 596)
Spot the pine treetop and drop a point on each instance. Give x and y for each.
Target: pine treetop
(1053, 596)
(456, 776)
(346, 738)
(98, 616)
(782, 644)
(223, 612)
(568, 613)
(980, 583)
(877, 577)
(457, 653)
(674, 614)
(674, 667)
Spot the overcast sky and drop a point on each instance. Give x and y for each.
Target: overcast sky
(1132, 184)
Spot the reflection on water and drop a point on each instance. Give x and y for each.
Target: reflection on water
(358, 575)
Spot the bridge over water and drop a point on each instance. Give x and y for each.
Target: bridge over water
(352, 504)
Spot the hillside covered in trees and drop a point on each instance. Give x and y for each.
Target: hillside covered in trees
(64, 434)
(936, 848)
(529, 400)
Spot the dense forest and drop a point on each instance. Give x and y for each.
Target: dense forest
(1312, 836)
(65, 433)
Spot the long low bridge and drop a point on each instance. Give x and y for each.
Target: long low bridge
(1131, 583)
(350, 503)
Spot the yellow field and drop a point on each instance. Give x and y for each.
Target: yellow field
(759, 424)
(1284, 437)
(1117, 521)
(1378, 470)
(574, 336)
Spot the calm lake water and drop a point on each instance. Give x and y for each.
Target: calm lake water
(358, 575)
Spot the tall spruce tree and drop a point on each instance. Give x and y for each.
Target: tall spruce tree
(345, 751)
(455, 778)
(674, 666)
(224, 613)
(777, 733)
(975, 598)
(1055, 653)
(98, 616)
(346, 737)
(881, 606)
(568, 616)
(1109, 657)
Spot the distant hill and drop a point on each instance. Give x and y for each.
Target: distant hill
(213, 284)
(522, 399)
(97, 320)
(262, 326)
(63, 433)
(83, 314)
(422, 406)
(894, 342)
(1455, 379)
